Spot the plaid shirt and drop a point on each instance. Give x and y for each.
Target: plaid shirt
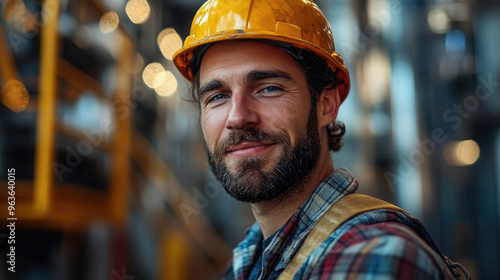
(372, 245)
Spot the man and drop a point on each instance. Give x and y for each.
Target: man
(269, 85)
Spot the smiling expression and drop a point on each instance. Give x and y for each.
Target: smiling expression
(260, 130)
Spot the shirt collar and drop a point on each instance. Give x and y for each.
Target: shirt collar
(295, 230)
(292, 234)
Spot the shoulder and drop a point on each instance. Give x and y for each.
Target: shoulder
(389, 250)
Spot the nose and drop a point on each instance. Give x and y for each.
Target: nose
(243, 113)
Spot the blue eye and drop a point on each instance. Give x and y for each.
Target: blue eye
(271, 89)
(217, 97)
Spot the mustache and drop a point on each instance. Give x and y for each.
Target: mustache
(248, 135)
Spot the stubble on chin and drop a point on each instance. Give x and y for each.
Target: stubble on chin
(246, 179)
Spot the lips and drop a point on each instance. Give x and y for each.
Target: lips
(245, 149)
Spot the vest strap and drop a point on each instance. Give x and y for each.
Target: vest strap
(344, 209)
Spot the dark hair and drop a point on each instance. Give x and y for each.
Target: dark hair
(318, 77)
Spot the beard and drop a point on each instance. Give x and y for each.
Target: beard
(249, 183)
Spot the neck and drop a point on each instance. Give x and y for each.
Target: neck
(273, 214)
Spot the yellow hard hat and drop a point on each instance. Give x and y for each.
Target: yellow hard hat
(297, 22)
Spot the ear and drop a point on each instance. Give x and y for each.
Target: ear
(328, 106)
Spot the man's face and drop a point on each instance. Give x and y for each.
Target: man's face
(260, 128)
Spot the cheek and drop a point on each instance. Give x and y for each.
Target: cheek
(212, 126)
(290, 120)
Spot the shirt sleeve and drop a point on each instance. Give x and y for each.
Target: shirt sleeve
(387, 250)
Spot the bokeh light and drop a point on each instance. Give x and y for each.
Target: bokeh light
(438, 20)
(138, 11)
(109, 22)
(154, 75)
(462, 153)
(15, 96)
(15, 12)
(169, 86)
(169, 42)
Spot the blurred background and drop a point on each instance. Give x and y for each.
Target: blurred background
(106, 151)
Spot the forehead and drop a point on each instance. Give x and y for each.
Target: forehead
(242, 56)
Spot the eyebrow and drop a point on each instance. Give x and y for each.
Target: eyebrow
(267, 74)
(250, 77)
(214, 84)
